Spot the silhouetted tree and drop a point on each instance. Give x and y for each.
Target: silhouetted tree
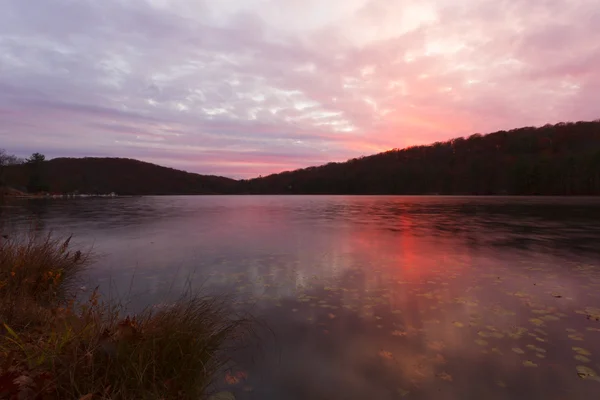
(5, 161)
(35, 164)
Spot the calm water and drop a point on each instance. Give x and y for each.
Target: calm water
(370, 297)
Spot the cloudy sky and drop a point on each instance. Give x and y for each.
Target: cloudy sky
(247, 87)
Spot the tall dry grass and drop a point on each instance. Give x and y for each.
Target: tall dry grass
(53, 347)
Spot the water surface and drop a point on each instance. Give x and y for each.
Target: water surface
(369, 297)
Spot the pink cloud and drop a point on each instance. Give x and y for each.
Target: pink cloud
(242, 88)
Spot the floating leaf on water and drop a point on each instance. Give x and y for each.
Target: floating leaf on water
(439, 359)
(529, 363)
(403, 392)
(539, 339)
(234, 379)
(399, 333)
(540, 355)
(538, 330)
(517, 332)
(458, 324)
(586, 373)
(436, 345)
(386, 354)
(582, 351)
(445, 376)
(536, 321)
(581, 358)
(576, 336)
(518, 350)
(539, 311)
(481, 342)
(593, 329)
(497, 351)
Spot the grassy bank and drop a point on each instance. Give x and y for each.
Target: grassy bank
(54, 347)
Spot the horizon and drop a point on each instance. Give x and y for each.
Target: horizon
(247, 88)
(303, 167)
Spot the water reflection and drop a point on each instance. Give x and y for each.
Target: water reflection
(383, 297)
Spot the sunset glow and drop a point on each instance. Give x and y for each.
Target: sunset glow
(243, 88)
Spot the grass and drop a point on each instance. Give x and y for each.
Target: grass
(54, 347)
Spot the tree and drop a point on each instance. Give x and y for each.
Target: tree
(36, 171)
(36, 158)
(5, 161)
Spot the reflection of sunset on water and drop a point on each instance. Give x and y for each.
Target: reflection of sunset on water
(375, 297)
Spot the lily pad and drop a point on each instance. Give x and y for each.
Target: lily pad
(586, 373)
(445, 376)
(581, 358)
(536, 321)
(582, 351)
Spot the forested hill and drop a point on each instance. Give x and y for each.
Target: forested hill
(562, 159)
(120, 175)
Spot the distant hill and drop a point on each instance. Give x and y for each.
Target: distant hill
(120, 175)
(562, 159)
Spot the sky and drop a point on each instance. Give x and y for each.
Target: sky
(242, 88)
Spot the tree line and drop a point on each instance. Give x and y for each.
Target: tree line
(561, 159)
(34, 165)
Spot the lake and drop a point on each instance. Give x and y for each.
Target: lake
(368, 297)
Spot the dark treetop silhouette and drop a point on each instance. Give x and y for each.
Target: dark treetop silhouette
(561, 159)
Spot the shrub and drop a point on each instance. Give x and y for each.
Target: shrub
(53, 347)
